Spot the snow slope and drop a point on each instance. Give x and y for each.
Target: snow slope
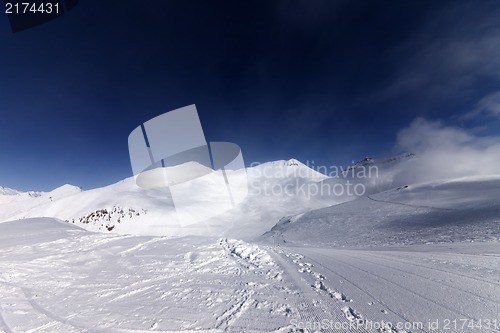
(55, 277)
(452, 288)
(377, 174)
(466, 209)
(15, 203)
(8, 191)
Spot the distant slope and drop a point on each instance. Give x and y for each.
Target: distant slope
(15, 203)
(466, 209)
(374, 175)
(8, 191)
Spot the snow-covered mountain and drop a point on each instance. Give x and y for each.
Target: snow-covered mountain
(8, 191)
(15, 203)
(274, 190)
(368, 203)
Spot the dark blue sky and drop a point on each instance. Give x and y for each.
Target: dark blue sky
(323, 80)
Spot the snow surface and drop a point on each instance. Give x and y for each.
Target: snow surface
(55, 277)
(465, 209)
(404, 257)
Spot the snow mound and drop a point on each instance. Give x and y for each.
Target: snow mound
(251, 253)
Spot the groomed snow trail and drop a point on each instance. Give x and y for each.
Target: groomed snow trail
(445, 288)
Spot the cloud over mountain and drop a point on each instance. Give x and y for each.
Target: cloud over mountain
(447, 152)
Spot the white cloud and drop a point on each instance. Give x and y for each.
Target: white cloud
(488, 105)
(447, 152)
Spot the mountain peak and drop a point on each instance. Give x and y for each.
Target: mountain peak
(8, 191)
(294, 162)
(64, 190)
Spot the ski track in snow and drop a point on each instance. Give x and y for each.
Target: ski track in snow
(410, 205)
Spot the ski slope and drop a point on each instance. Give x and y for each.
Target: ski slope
(455, 210)
(59, 278)
(452, 288)
(55, 277)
